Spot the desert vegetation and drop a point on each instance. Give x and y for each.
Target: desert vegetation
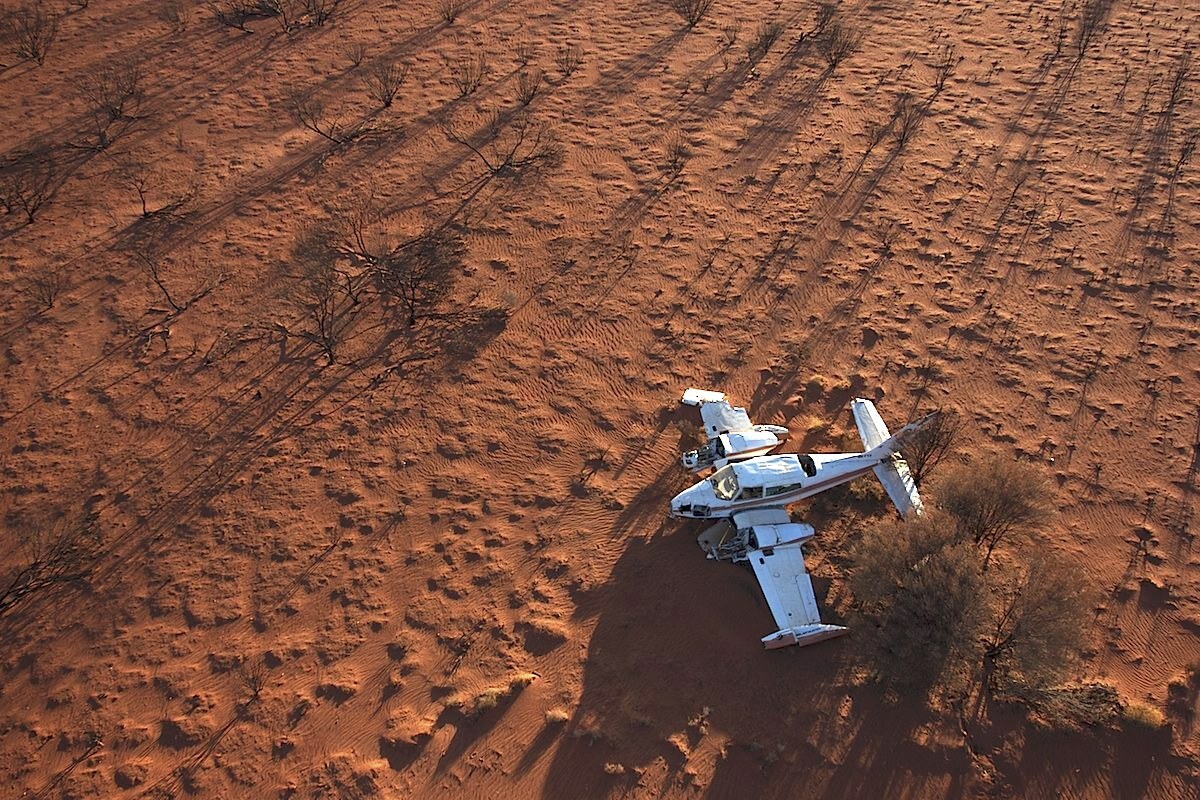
(341, 346)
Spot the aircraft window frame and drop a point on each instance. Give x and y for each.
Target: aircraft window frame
(751, 493)
(725, 483)
(772, 491)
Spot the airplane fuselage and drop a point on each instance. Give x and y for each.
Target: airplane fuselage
(771, 481)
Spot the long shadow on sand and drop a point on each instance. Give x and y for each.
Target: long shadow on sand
(675, 641)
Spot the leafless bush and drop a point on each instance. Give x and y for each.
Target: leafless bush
(525, 53)
(448, 10)
(384, 80)
(919, 585)
(233, 14)
(325, 290)
(907, 115)
(943, 67)
(318, 12)
(529, 83)
(568, 58)
(675, 156)
(692, 11)
(139, 177)
(33, 29)
(729, 36)
(929, 446)
(113, 89)
(50, 554)
(468, 72)
(839, 43)
(1037, 623)
(417, 273)
(764, 39)
(45, 287)
(990, 500)
(355, 53)
(826, 14)
(1093, 21)
(175, 13)
(518, 148)
(27, 183)
(309, 112)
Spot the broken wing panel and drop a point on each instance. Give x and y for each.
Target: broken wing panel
(786, 585)
(723, 418)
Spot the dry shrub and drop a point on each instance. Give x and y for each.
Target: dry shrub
(930, 445)
(384, 80)
(468, 72)
(529, 83)
(1140, 715)
(692, 11)
(838, 43)
(50, 554)
(32, 29)
(764, 39)
(991, 499)
(919, 586)
(1039, 616)
(448, 10)
(28, 183)
(568, 58)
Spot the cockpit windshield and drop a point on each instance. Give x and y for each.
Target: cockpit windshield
(724, 483)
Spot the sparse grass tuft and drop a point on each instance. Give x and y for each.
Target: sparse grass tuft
(1140, 715)
(613, 768)
(557, 716)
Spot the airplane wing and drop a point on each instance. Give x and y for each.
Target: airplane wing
(788, 588)
(786, 585)
(718, 415)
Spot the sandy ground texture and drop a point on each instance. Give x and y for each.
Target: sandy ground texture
(437, 564)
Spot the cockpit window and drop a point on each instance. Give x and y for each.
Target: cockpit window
(724, 483)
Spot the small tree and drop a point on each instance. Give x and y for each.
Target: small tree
(326, 291)
(52, 554)
(28, 183)
(838, 43)
(318, 12)
(449, 10)
(568, 58)
(692, 11)
(417, 273)
(768, 33)
(112, 93)
(33, 29)
(309, 112)
(920, 585)
(529, 82)
(45, 287)
(510, 151)
(468, 72)
(989, 500)
(384, 80)
(928, 446)
(1037, 625)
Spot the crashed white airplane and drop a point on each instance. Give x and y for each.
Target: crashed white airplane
(749, 494)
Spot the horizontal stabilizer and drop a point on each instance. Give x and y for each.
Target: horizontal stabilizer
(802, 636)
(900, 487)
(871, 429)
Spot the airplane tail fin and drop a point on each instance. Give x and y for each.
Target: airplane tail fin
(893, 471)
(802, 635)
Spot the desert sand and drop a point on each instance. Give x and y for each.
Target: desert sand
(310, 573)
